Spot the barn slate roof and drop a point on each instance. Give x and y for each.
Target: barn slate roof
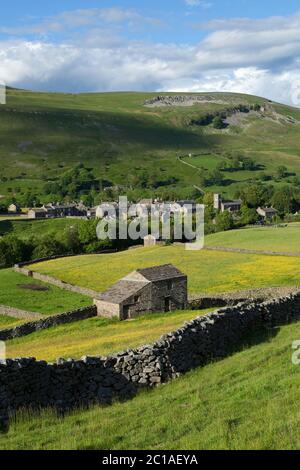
(121, 291)
(160, 273)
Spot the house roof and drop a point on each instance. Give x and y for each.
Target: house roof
(38, 210)
(268, 209)
(121, 291)
(232, 203)
(159, 273)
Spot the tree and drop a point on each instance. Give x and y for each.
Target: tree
(284, 201)
(87, 232)
(248, 216)
(215, 177)
(70, 239)
(224, 221)
(48, 246)
(12, 251)
(208, 199)
(255, 195)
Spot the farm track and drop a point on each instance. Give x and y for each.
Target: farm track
(194, 168)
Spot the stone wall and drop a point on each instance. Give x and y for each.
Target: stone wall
(55, 282)
(71, 383)
(47, 322)
(21, 314)
(203, 301)
(295, 254)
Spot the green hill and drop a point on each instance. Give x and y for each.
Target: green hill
(44, 135)
(247, 401)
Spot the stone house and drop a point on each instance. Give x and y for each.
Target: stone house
(37, 213)
(157, 289)
(14, 209)
(231, 206)
(57, 211)
(267, 213)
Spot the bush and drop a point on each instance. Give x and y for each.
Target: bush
(218, 123)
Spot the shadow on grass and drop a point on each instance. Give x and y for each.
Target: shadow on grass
(64, 388)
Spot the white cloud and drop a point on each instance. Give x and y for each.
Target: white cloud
(241, 55)
(197, 3)
(74, 19)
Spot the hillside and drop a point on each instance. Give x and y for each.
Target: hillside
(117, 135)
(247, 401)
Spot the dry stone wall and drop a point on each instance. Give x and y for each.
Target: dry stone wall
(70, 383)
(21, 314)
(47, 322)
(55, 282)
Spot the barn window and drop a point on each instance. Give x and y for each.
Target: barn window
(136, 298)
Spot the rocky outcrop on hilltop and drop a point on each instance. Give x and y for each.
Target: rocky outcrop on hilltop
(181, 100)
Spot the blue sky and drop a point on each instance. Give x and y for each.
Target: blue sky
(178, 45)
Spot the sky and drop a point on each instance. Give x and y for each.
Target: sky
(248, 46)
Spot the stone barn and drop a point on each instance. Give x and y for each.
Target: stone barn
(156, 289)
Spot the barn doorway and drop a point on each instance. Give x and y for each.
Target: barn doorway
(167, 304)
(126, 312)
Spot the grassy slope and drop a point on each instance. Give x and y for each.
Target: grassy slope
(97, 336)
(208, 271)
(26, 228)
(8, 322)
(247, 401)
(281, 239)
(43, 134)
(54, 300)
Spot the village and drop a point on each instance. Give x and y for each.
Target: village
(139, 209)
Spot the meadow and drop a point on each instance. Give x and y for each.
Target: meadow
(281, 238)
(208, 271)
(50, 301)
(97, 336)
(249, 400)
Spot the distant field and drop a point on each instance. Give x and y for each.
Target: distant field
(24, 228)
(208, 271)
(281, 239)
(49, 302)
(249, 400)
(97, 336)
